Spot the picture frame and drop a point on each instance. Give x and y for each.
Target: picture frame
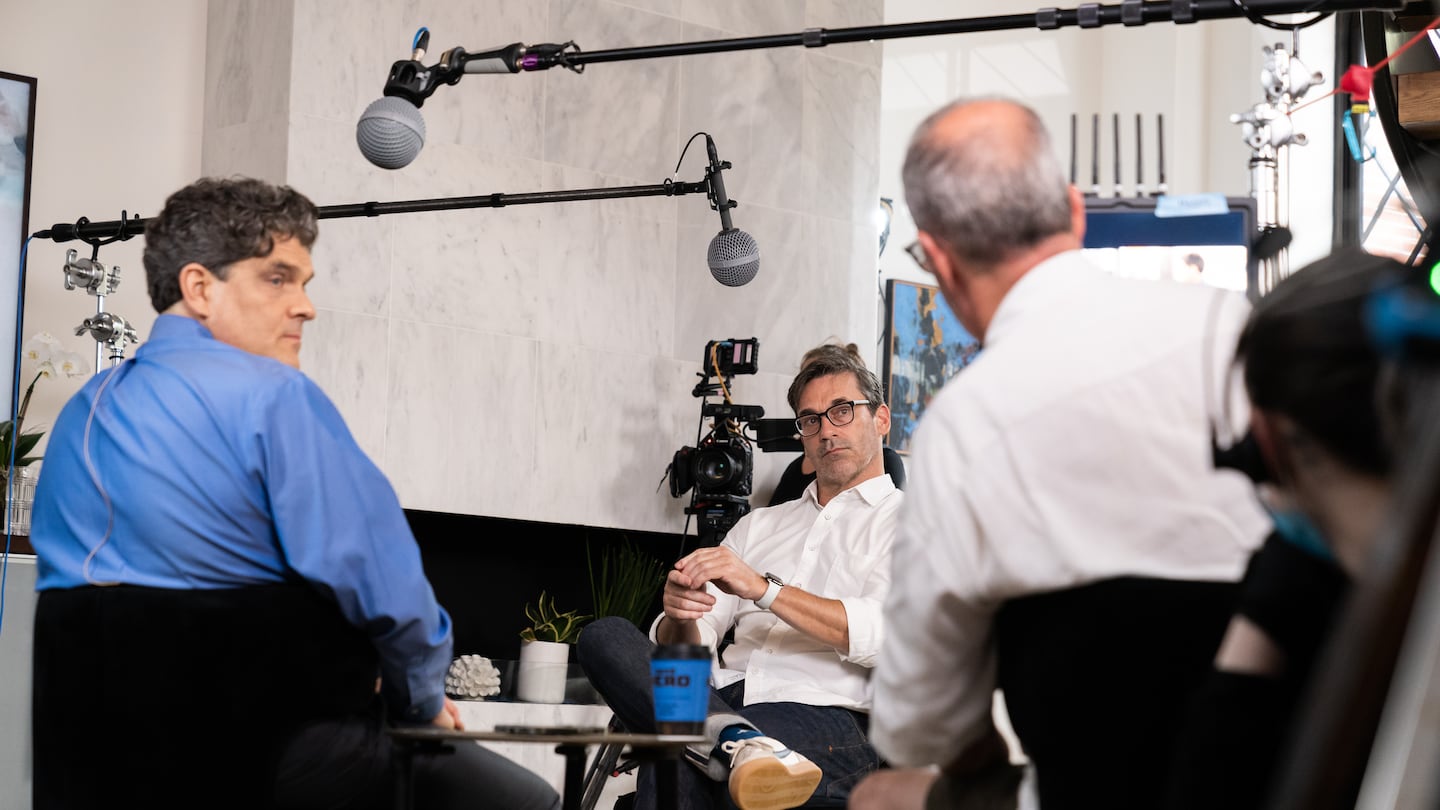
(925, 347)
(17, 152)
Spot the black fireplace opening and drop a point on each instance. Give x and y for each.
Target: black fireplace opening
(485, 570)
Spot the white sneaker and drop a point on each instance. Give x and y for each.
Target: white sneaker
(765, 775)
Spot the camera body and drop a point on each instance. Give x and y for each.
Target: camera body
(719, 470)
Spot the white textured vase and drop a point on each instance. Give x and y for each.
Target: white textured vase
(18, 502)
(542, 672)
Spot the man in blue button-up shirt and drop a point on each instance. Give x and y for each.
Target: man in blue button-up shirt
(213, 542)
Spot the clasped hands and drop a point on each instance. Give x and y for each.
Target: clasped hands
(685, 598)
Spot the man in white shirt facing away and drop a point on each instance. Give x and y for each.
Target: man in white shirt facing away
(1066, 536)
(802, 586)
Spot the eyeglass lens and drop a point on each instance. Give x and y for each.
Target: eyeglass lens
(839, 416)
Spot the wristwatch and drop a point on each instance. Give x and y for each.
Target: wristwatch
(776, 583)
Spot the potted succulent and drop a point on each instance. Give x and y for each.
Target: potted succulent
(545, 651)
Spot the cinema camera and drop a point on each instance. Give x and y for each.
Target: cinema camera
(719, 470)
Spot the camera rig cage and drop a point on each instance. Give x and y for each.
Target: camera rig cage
(718, 471)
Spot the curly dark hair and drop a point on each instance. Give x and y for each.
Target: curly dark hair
(217, 222)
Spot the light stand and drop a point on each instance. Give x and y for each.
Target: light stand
(107, 328)
(1269, 132)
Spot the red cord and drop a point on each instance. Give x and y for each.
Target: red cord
(1322, 98)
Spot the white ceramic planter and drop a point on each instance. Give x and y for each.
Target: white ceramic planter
(542, 672)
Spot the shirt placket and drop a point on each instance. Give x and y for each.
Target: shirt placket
(803, 573)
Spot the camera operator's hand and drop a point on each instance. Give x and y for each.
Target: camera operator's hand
(723, 568)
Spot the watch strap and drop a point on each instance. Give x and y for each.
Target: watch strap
(771, 591)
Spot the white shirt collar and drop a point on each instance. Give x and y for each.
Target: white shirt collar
(873, 490)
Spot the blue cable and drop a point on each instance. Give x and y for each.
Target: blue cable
(14, 431)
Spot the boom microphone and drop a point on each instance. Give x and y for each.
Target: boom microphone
(391, 131)
(734, 258)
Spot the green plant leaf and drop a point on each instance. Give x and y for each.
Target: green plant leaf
(27, 442)
(548, 624)
(629, 579)
(22, 449)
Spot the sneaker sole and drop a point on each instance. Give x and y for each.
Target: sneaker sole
(768, 784)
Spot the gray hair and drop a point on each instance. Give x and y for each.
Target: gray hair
(990, 194)
(828, 359)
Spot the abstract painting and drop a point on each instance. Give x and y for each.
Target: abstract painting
(926, 346)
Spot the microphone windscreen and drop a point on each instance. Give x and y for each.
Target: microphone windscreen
(734, 258)
(390, 132)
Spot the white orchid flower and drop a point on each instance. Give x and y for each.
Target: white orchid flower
(41, 347)
(46, 368)
(72, 364)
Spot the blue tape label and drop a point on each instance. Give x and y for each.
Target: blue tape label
(1191, 205)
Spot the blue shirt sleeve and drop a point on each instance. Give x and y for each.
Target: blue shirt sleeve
(340, 526)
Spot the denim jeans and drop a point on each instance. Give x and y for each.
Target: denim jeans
(616, 658)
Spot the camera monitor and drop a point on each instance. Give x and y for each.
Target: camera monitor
(732, 356)
(1168, 239)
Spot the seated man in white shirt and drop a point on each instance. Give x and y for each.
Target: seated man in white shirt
(802, 585)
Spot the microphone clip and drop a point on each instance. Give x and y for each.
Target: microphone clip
(413, 81)
(719, 200)
(714, 194)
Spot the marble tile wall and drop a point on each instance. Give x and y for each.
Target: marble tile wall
(536, 362)
(247, 88)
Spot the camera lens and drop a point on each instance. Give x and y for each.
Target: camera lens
(714, 468)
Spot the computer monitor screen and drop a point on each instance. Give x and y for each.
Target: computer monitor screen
(1136, 238)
